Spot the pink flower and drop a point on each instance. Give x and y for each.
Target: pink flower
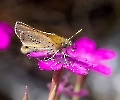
(6, 31)
(85, 50)
(79, 58)
(68, 89)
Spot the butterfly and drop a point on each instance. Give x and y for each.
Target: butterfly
(34, 40)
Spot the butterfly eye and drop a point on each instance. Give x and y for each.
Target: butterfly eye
(26, 47)
(64, 45)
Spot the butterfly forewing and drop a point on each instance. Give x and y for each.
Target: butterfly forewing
(35, 40)
(21, 27)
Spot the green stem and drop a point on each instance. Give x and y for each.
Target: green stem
(55, 83)
(57, 97)
(78, 84)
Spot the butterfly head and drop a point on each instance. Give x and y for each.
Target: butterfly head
(66, 43)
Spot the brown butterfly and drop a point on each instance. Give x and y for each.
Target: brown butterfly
(36, 40)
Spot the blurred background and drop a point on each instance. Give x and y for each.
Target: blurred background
(99, 19)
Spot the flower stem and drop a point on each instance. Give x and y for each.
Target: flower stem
(55, 83)
(26, 94)
(57, 97)
(78, 84)
(118, 96)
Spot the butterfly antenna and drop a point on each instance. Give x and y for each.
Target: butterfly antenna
(75, 34)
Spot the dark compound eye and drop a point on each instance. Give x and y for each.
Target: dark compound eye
(26, 47)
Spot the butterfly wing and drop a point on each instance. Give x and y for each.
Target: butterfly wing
(35, 40)
(21, 27)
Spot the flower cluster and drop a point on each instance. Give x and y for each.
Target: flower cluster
(79, 58)
(68, 89)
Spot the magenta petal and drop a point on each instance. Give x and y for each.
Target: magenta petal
(71, 52)
(85, 44)
(6, 29)
(60, 88)
(37, 54)
(81, 48)
(101, 69)
(4, 41)
(49, 65)
(5, 32)
(81, 93)
(102, 54)
(77, 69)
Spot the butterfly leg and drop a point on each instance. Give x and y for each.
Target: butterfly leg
(64, 55)
(54, 55)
